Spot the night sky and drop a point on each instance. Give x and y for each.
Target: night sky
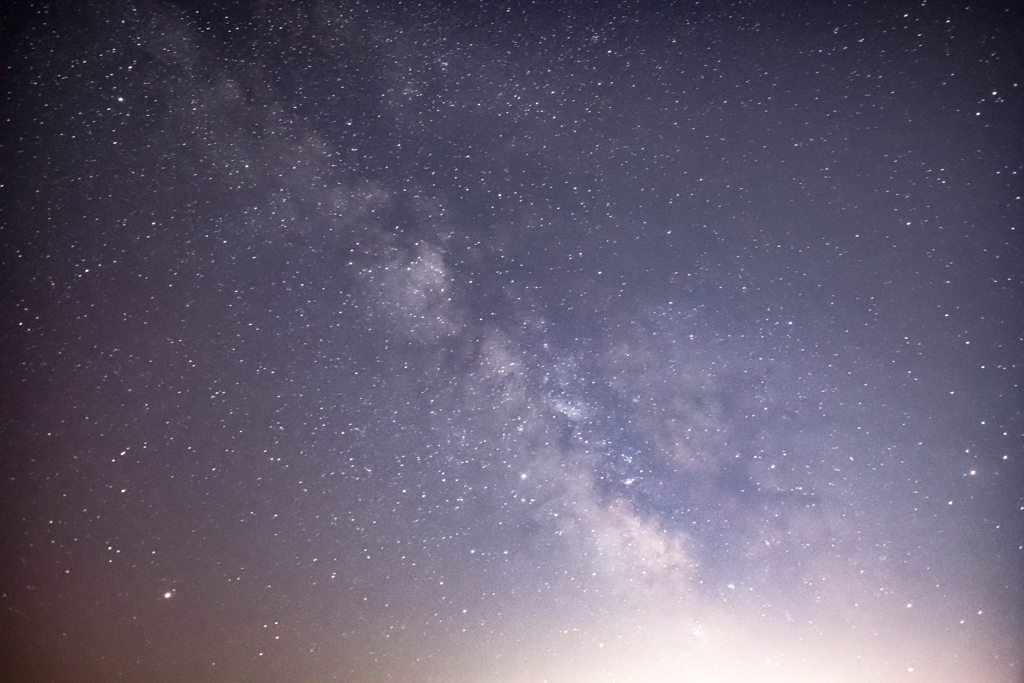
(565, 342)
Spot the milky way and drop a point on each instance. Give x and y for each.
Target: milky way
(511, 343)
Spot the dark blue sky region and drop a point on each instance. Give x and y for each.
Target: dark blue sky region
(512, 342)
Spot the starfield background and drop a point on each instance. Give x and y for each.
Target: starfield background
(574, 342)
